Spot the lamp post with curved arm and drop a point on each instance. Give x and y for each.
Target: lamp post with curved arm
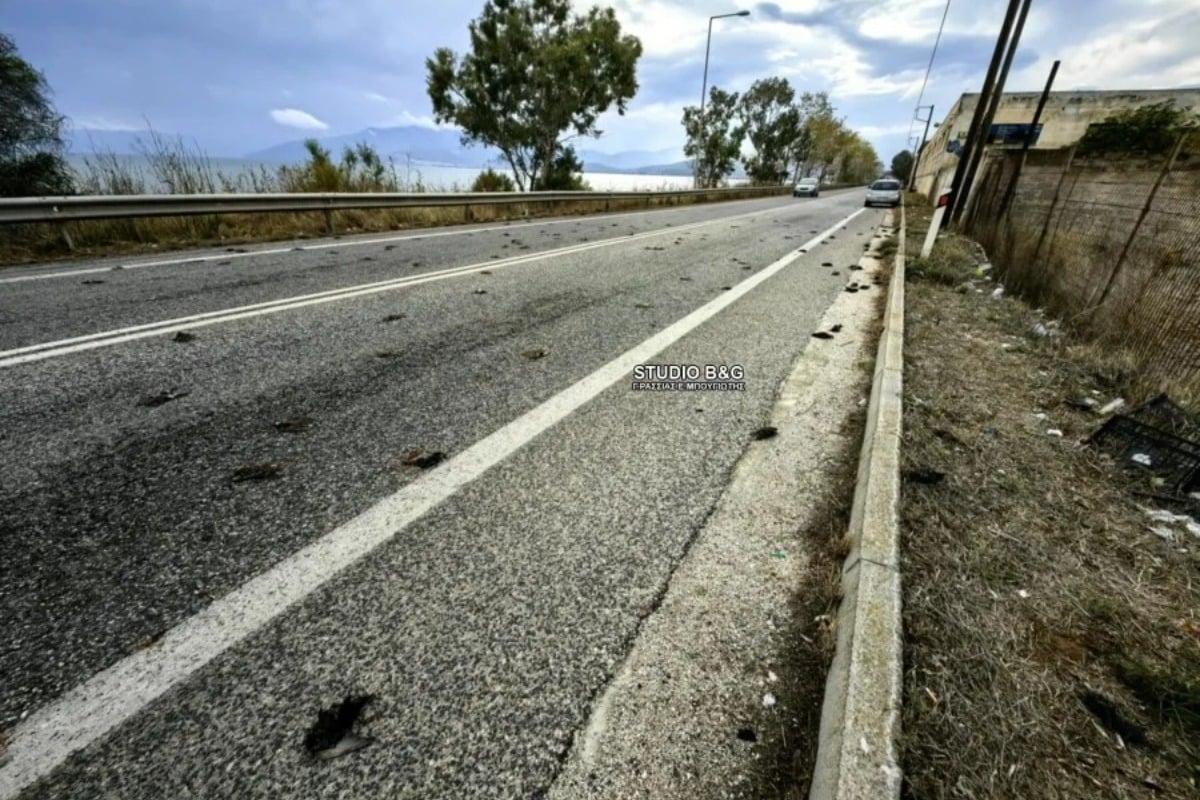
(704, 86)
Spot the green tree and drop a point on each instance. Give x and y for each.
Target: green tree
(772, 123)
(902, 164)
(1151, 128)
(812, 149)
(535, 76)
(714, 138)
(563, 174)
(31, 143)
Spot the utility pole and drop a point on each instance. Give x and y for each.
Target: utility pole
(1027, 140)
(960, 204)
(1037, 114)
(912, 177)
(973, 132)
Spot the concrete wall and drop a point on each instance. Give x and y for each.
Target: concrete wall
(1064, 121)
(1110, 242)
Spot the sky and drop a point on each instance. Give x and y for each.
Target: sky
(241, 75)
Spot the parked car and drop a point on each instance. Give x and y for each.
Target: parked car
(883, 192)
(807, 187)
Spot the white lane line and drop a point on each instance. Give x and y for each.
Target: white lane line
(92, 709)
(196, 259)
(61, 347)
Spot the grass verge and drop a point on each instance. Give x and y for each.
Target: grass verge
(1052, 641)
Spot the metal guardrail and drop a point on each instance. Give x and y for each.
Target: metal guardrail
(69, 209)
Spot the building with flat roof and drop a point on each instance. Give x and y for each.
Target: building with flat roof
(1064, 121)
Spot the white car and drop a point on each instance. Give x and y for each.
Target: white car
(883, 192)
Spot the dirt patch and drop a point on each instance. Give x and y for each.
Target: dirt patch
(1050, 635)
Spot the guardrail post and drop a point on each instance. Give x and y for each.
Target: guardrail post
(66, 235)
(467, 216)
(329, 221)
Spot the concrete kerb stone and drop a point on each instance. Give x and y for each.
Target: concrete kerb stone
(857, 757)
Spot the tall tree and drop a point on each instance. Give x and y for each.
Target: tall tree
(815, 110)
(772, 124)
(902, 164)
(714, 138)
(31, 143)
(535, 77)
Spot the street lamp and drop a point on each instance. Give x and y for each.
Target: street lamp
(704, 86)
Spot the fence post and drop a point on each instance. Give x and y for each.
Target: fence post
(1054, 202)
(1162, 174)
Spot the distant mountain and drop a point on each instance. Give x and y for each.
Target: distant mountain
(626, 160)
(443, 147)
(426, 146)
(409, 141)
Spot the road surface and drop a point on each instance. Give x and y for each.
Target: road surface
(213, 527)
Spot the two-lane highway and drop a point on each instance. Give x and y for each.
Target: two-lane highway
(212, 527)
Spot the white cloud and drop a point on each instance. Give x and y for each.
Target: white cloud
(1148, 54)
(672, 30)
(376, 97)
(406, 117)
(295, 118)
(876, 131)
(100, 122)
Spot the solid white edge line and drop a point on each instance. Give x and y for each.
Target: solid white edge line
(428, 234)
(91, 341)
(50, 735)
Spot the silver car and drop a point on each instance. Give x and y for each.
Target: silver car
(883, 192)
(807, 187)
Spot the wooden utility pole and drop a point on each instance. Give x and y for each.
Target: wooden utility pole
(973, 132)
(960, 200)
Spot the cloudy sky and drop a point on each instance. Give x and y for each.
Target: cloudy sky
(241, 75)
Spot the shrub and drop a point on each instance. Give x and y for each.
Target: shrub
(491, 181)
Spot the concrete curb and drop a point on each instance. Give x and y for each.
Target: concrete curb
(860, 720)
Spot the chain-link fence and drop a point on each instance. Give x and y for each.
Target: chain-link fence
(1109, 242)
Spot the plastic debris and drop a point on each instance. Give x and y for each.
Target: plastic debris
(1040, 330)
(1054, 432)
(1041, 415)
(1183, 520)
(768, 700)
(1115, 405)
(1158, 441)
(765, 432)
(998, 292)
(1021, 593)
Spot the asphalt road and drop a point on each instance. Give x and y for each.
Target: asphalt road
(143, 479)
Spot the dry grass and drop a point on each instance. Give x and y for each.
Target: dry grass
(32, 243)
(1032, 585)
